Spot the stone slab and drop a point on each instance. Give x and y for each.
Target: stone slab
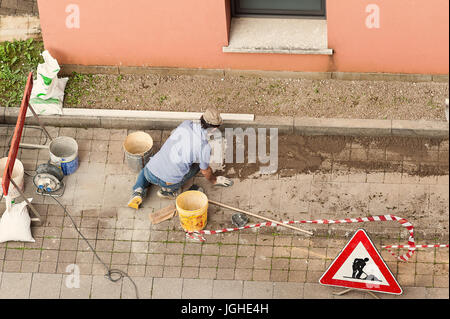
(15, 285)
(433, 129)
(228, 289)
(197, 289)
(335, 126)
(167, 288)
(45, 286)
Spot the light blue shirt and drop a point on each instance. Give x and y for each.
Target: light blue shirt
(187, 144)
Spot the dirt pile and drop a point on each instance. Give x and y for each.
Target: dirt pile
(309, 154)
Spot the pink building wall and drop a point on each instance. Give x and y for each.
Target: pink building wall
(413, 36)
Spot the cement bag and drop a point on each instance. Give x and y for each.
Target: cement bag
(48, 91)
(15, 224)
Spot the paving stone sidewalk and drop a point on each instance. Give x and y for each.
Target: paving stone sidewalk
(58, 286)
(269, 262)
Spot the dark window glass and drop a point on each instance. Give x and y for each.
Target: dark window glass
(279, 7)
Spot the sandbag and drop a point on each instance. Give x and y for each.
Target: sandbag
(47, 94)
(15, 224)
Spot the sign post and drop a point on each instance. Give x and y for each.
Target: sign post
(15, 144)
(360, 266)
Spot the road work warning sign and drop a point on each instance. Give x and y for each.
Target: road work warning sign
(360, 266)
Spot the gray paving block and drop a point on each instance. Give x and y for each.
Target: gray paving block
(15, 286)
(143, 284)
(102, 288)
(68, 291)
(197, 289)
(45, 286)
(284, 124)
(433, 129)
(437, 293)
(258, 290)
(288, 290)
(117, 191)
(317, 291)
(167, 288)
(343, 127)
(228, 289)
(408, 293)
(440, 78)
(353, 294)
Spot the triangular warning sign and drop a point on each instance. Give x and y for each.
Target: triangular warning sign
(360, 266)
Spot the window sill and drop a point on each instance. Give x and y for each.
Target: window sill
(285, 36)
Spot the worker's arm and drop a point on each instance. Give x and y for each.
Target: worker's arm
(219, 180)
(208, 173)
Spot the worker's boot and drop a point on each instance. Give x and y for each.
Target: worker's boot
(167, 193)
(136, 199)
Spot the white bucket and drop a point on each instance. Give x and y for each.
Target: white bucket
(64, 154)
(138, 149)
(17, 176)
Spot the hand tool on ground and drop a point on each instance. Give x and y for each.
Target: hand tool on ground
(258, 216)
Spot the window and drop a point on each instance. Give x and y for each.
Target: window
(278, 7)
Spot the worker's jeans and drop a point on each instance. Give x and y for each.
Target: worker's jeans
(146, 178)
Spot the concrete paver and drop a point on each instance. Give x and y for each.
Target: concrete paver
(269, 262)
(288, 290)
(167, 288)
(105, 289)
(144, 287)
(45, 286)
(257, 290)
(15, 285)
(71, 290)
(227, 289)
(316, 291)
(197, 289)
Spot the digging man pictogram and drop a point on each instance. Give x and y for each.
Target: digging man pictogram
(358, 266)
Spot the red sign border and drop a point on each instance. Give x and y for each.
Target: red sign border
(361, 236)
(15, 141)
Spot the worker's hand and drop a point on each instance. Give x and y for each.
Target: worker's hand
(223, 181)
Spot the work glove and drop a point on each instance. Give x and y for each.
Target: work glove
(223, 181)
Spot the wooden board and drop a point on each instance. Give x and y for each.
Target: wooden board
(162, 214)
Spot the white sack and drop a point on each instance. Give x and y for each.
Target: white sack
(47, 94)
(15, 224)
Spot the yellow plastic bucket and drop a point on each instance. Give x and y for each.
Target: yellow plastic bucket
(192, 208)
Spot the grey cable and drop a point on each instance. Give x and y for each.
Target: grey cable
(109, 271)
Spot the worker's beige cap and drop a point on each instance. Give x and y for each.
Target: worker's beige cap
(212, 116)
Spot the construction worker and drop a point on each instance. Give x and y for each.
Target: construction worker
(183, 155)
(358, 265)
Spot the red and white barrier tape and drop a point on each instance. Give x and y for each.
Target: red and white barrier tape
(197, 235)
(417, 246)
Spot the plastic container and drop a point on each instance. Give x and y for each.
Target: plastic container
(137, 146)
(17, 176)
(192, 208)
(64, 154)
